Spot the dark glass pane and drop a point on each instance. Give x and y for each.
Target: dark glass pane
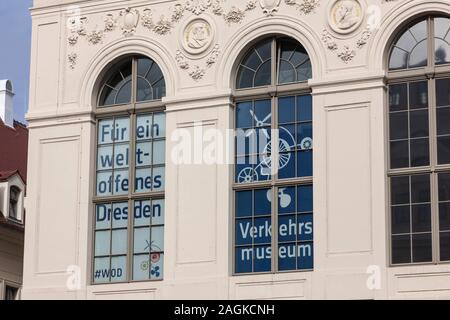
(399, 59)
(304, 164)
(304, 199)
(264, 49)
(287, 257)
(444, 186)
(400, 220)
(443, 121)
(262, 202)
(420, 30)
(444, 216)
(400, 190)
(244, 204)
(443, 145)
(286, 110)
(305, 260)
(305, 227)
(244, 117)
(399, 154)
(144, 66)
(419, 55)
(159, 89)
(304, 71)
(445, 246)
(418, 95)
(287, 138)
(263, 113)
(263, 75)
(420, 152)
(419, 124)
(287, 73)
(244, 260)
(243, 232)
(287, 226)
(401, 249)
(287, 49)
(253, 61)
(299, 57)
(287, 165)
(144, 90)
(262, 261)
(398, 97)
(304, 134)
(442, 53)
(107, 97)
(124, 94)
(421, 218)
(286, 200)
(443, 92)
(422, 251)
(420, 189)
(304, 108)
(398, 125)
(245, 78)
(263, 234)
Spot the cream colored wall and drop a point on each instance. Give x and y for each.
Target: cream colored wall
(350, 197)
(11, 258)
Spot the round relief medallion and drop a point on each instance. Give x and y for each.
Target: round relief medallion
(198, 36)
(345, 16)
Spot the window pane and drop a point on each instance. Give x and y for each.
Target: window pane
(400, 190)
(401, 249)
(159, 152)
(157, 244)
(420, 151)
(304, 108)
(444, 216)
(287, 258)
(143, 154)
(105, 157)
(418, 95)
(442, 40)
(262, 258)
(419, 123)
(157, 266)
(119, 242)
(158, 212)
(244, 118)
(399, 154)
(159, 126)
(286, 110)
(243, 232)
(263, 75)
(245, 78)
(287, 228)
(304, 199)
(400, 219)
(118, 269)
(102, 243)
(443, 121)
(419, 55)
(117, 88)
(287, 73)
(103, 216)
(398, 97)
(444, 186)
(142, 213)
(445, 246)
(101, 270)
(398, 125)
(244, 260)
(262, 202)
(443, 146)
(144, 127)
(142, 241)
(286, 200)
(123, 95)
(151, 84)
(443, 92)
(422, 250)
(141, 267)
(421, 218)
(120, 215)
(159, 178)
(420, 189)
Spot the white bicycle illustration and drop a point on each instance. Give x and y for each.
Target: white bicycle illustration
(264, 168)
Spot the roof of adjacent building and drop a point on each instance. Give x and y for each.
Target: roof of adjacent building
(13, 149)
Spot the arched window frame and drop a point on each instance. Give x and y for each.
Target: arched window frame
(429, 74)
(273, 92)
(132, 110)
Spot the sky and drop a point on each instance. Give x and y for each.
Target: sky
(15, 26)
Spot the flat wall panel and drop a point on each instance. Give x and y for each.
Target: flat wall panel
(348, 180)
(57, 223)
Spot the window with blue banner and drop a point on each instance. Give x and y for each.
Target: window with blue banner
(129, 204)
(273, 214)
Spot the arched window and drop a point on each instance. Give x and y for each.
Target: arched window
(273, 179)
(14, 197)
(130, 174)
(419, 143)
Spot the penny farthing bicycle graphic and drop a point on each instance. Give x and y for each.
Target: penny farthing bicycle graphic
(286, 144)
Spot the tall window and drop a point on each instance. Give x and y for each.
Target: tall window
(14, 196)
(419, 143)
(130, 174)
(273, 216)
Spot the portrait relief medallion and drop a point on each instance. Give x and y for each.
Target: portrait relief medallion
(345, 16)
(198, 36)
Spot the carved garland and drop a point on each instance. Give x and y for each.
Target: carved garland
(196, 72)
(130, 18)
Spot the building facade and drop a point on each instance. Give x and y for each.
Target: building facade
(13, 175)
(260, 149)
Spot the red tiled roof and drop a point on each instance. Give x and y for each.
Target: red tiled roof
(5, 175)
(13, 149)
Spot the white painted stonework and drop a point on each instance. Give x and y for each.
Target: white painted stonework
(198, 44)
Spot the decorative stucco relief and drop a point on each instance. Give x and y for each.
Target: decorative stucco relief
(348, 53)
(72, 59)
(197, 72)
(345, 16)
(198, 38)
